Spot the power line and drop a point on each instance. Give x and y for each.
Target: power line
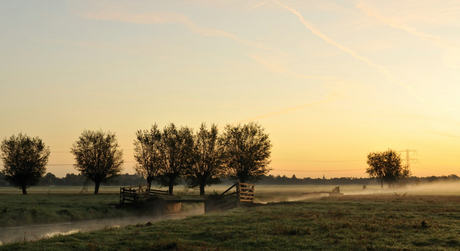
(408, 159)
(326, 171)
(321, 161)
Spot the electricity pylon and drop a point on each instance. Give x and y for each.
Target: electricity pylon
(408, 159)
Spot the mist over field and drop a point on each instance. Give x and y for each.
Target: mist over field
(440, 188)
(267, 193)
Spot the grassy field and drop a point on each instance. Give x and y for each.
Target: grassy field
(357, 222)
(62, 204)
(412, 218)
(42, 208)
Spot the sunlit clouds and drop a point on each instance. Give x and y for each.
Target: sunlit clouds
(330, 81)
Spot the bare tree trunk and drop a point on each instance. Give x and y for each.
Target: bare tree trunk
(149, 181)
(96, 188)
(202, 185)
(24, 191)
(171, 186)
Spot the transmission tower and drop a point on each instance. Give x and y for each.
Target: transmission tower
(408, 159)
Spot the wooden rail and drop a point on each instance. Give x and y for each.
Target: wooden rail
(139, 193)
(334, 192)
(242, 193)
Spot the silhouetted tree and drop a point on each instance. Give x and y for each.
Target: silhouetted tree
(24, 159)
(177, 154)
(247, 151)
(386, 166)
(97, 156)
(147, 153)
(208, 160)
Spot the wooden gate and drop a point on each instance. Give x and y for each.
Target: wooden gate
(134, 194)
(245, 192)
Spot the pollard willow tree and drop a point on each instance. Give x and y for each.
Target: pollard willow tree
(247, 151)
(386, 166)
(177, 154)
(24, 160)
(208, 164)
(97, 156)
(148, 153)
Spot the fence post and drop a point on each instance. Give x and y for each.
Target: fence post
(122, 195)
(238, 190)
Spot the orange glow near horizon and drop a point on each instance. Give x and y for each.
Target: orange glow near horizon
(330, 81)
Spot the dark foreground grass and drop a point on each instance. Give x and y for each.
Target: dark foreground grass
(30, 209)
(333, 223)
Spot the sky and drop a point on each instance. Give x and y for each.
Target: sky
(330, 81)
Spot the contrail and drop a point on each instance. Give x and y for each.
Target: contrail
(424, 36)
(381, 69)
(326, 38)
(283, 111)
(255, 6)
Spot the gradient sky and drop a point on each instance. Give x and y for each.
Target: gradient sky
(330, 81)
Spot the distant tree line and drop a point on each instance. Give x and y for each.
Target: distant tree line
(126, 179)
(283, 180)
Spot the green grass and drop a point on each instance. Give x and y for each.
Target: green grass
(60, 190)
(42, 208)
(362, 222)
(61, 204)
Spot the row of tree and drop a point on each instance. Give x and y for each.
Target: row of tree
(241, 152)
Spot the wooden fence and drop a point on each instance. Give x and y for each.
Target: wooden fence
(242, 193)
(335, 192)
(139, 193)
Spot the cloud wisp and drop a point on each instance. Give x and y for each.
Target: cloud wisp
(276, 67)
(385, 71)
(166, 17)
(112, 95)
(283, 111)
(257, 5)
(438, 41)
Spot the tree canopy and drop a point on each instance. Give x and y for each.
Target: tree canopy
(148, 153)
(208, 163)
(247, 151)
(97, 156)
(24, 160)
(177, 154)
(386, 166)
